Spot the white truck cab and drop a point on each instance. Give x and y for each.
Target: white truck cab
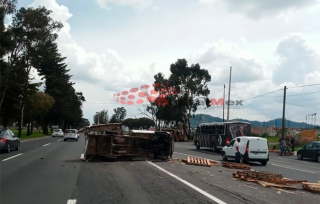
(251, 149)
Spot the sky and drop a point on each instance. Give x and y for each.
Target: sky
(114, 46)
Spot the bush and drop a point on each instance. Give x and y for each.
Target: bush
(301, 142)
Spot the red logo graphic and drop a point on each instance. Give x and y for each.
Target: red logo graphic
(146, 93)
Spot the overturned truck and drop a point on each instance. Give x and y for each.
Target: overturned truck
(108, 140)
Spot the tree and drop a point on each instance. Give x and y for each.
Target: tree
(101, 117)
(36, 108)
(8, 6)
(30, 29)
(119, 114)
(183, 89)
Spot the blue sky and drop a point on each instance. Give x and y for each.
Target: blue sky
(114, 45)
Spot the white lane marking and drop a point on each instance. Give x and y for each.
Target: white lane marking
(217, 200)
(72, 201)
(46, 144)
(59, 140)
(294, 168)
(196, 156)
(12, 157)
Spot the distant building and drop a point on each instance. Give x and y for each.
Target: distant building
(258, 130)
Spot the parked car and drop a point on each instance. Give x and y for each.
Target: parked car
(251, 149)
(71, 134)
(311, 151)
(57, 133)
(8, 141)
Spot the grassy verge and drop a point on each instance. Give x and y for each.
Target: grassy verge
(24, 136)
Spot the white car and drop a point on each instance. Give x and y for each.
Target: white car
(71, 134)
(251, 149)
(57, 133)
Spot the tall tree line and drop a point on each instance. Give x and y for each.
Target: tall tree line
(28, 43)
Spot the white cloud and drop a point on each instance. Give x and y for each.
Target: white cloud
(219, 56)
(297, 59)
(131, 54)
(140, 4)
(256, 8)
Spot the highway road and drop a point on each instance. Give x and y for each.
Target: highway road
(49, 171)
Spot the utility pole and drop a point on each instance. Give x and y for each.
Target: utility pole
(224, 93)
(283, 112)
(229, 95)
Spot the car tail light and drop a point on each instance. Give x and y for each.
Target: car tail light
(247, 149)
(227, 141)
(3, 140)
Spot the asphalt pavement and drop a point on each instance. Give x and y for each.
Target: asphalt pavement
(50, 171)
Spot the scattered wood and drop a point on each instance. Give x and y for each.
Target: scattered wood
(268, 184)
(311, 187)
(198, 161)
(236, 165)
(279, 189)
(253, 176)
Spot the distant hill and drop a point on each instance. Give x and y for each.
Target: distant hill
(204, 118)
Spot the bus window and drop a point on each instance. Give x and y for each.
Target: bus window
(216, 130)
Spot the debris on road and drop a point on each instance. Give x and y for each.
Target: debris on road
(311, 187)
(264, 176)
(196, 161)
(235, 165)
(275, 181)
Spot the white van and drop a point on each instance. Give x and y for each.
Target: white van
(251, 149)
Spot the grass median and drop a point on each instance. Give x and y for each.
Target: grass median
(34, 135)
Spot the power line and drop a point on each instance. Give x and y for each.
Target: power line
(256, 108)
(300, 94)
(259, 94)
(303, 86)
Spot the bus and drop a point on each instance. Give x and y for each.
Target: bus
(218, 134)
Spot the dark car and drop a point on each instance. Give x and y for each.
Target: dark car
(8, 141)
(311, 151)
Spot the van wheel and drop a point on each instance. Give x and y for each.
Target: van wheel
(224, 157)
(242, 160)
(263, 163)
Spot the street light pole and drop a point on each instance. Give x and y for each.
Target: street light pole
(283, 111)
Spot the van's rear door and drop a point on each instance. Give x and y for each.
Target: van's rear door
(258, 148)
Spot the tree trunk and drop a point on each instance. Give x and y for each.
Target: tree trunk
(21, 119)
(31, 129)
(2, 95)
(45, 127)
(189, 130)
(28, 129)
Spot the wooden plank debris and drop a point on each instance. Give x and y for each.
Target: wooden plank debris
(235, 165)
(268, 184)
(311, 187)
(200, 161)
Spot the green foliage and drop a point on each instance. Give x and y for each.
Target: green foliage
(30, 42)
(101, 117)
(8, 6)
(119, 114)
(182, 91)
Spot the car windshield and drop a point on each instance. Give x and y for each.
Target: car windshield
(57, 130)
(70, 131)
(2, 132)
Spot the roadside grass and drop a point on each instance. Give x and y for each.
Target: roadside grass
(271, 138)
(24, 136)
